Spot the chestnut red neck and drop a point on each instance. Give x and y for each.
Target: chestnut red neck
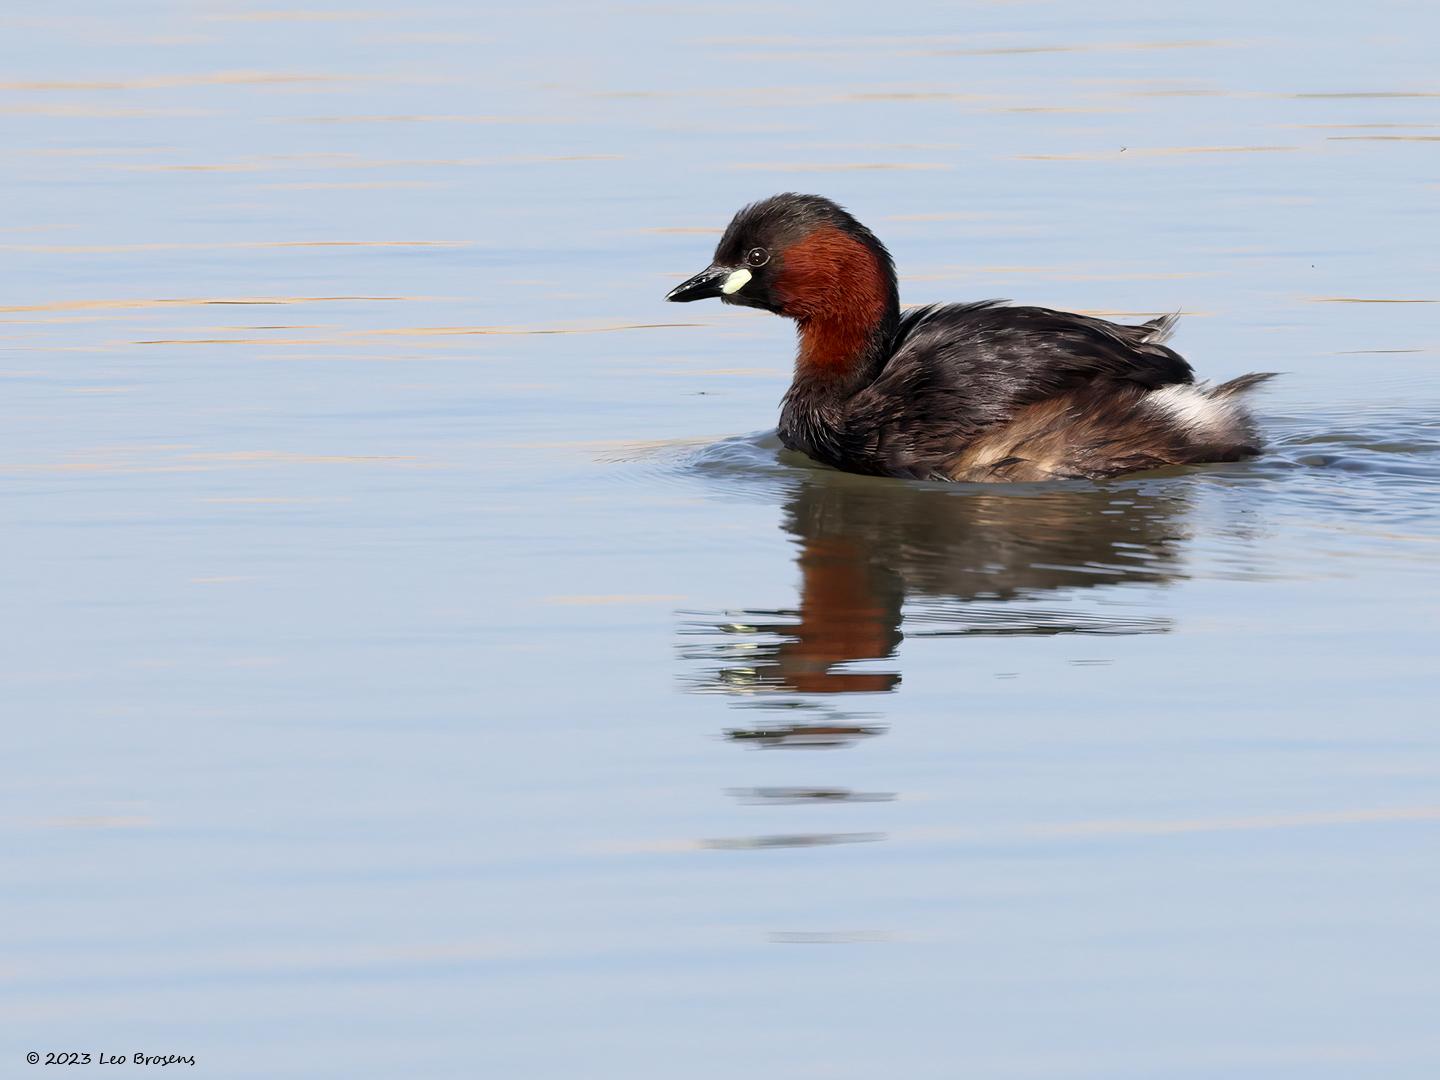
(841, 292)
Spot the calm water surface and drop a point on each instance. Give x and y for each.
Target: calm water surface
(423, 661)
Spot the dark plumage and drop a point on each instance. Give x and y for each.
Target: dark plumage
(979, 391)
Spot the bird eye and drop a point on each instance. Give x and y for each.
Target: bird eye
(757, 257)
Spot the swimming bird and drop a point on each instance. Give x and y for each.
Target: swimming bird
(981, 391)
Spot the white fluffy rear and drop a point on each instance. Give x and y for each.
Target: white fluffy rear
(1201, 411)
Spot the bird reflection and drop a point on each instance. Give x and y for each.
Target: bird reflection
(877, 555)
(880, 560)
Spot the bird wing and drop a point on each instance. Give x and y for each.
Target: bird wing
(966, 367)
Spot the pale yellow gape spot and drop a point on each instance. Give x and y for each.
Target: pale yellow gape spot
(736, 281)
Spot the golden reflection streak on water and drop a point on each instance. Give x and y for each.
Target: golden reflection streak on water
(355, 185)
(300, 15)
(269, 342)
(434, 331)
(439, 37)
(1065, 110)
(351, 337)
(133, 462)
(603, 600)
(798, 48)
(425, 118)
(239, 301)
(130, 317)
(1050, 273)
(911, 95)
(1353, 127)
(829, 937)
(1371, 94)
(1154, 151)
(303, 459)
(1081, 830)
(275, 500)
(282, 162)
(849, 166)
(225, 168)
(876, 146)
(165, 82)
(234, 245)
(745, 373)
(1101, 46)
(102, 112)
(242, 329)
(930, 40)
(1362, 300)
(613, 450)
(798, 96)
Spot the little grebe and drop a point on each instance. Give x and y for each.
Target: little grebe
(976, 392)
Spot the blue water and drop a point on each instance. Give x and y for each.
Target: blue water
(423, 661)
